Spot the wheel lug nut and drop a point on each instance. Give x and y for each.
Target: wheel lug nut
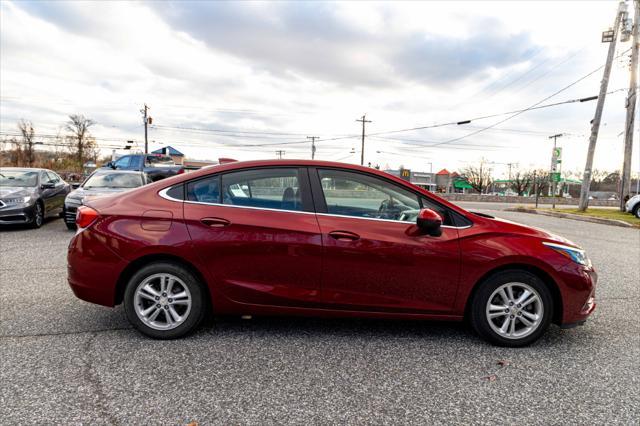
(506, 310)
(510, 303)
(170, 300)
(164, 294)
(519, 305)
(511, 316)
(157, 297)
(166, 307)
(158, 305)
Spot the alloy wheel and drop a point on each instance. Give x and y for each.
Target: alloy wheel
(39, 216)
(514, 310)
(162, 301)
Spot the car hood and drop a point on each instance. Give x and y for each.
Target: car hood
(518, 228)
(16, 191)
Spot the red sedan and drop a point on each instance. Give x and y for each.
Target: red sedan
(319, 238)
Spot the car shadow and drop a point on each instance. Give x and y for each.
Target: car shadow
(26, 227)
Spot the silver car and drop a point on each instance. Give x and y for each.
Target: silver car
(633, 206)
(101, 182)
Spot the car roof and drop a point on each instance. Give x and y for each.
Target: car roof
(24, 169)
(102, 171)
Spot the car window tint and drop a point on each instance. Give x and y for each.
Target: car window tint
(205, 190)
(263, 188)
(124, 161)
(52, 177)
(360, 195)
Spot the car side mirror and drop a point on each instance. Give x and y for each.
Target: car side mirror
(48, 185)
(111, 165)
(429, 222)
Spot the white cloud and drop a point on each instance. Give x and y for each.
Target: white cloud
(313, 68)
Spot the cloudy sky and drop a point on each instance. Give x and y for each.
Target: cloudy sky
(243, 79)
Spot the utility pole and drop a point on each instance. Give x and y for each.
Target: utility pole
(625, 177)
(363, 120)
(146, 121)
(313, 145)
(555, 160)
(280, 154)
(595, 126)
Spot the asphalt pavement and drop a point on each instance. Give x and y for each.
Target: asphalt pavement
(64, 361)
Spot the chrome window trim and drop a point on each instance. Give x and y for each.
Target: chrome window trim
(163, 194)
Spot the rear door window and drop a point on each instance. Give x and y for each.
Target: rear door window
(277, 188)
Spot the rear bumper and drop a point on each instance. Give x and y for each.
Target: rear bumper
(93, 269)
(16, 215)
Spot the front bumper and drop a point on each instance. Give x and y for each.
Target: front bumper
(578, 294)
(15, 215)
(70, 210)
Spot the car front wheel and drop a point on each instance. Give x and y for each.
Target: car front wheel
(38, 216)
(164, 301)
(512, 308)
(636, 211)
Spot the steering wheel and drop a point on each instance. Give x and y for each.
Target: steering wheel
(387, 208)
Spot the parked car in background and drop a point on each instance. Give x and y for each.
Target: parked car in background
(633, 206)
(303, 237)
(101, 182)
(156, 166)
(28, 195)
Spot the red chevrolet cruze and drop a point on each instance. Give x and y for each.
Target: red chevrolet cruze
(319, 238)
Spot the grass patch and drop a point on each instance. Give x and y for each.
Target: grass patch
(602, 213)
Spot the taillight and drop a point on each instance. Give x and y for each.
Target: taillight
(181, 171)
(85, 216)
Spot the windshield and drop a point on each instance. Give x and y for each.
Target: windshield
(113, 180)
(22, 178)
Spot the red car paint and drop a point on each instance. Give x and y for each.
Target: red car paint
(262, 261)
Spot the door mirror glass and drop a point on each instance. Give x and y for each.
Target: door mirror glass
(430, 222)
(48, 185)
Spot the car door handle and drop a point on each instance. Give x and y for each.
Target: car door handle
(215, 222)
(344, 235)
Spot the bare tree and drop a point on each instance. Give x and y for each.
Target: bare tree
(541, 181)
(80, 140)
(28, 134)
(520, 181)
(479, 177)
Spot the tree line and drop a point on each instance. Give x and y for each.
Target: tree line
(69, 150)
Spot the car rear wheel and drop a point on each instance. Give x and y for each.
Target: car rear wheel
(512, 308)
(636, 211)
(164, 301)
(38, 216)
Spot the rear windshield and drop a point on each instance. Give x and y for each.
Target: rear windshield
(114, 180)
(165, 160)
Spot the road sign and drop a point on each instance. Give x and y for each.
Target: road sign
(555, 177)
(607, 36)
(556, 158)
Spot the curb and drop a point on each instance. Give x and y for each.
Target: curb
(600, 220)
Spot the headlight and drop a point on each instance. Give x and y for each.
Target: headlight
(577, 255)
(16, 200)
(77, 201)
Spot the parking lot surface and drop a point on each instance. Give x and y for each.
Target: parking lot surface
(67, 361)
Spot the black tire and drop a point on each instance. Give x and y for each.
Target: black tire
(198, 307)
(71, 226)
(478, 309)
(636, 210)
(38, 215)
